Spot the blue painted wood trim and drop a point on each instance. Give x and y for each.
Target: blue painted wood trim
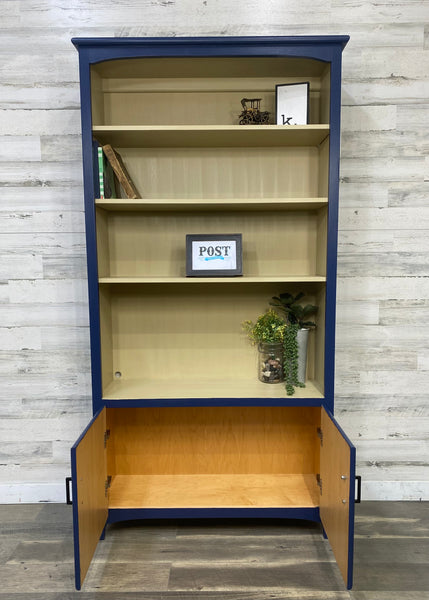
(318, 47)
(90, 187)
(187, 402)
(75, 519)
(85, 431)
(129, 514)
(351, 517)
(329, 40)
(76, 543)
(351, 500)
(331, 258)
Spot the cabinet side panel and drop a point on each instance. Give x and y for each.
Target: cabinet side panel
(323, 174)
(89, 499)
(319, 347)
(106, 337)
(103, 246)
(322, 230)
(97, 100)
(325, 95)
(336, 504)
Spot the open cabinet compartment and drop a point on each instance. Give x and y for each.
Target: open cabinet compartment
(192, 90)
(215, 462)
(213, 457)
(182, 426)
(185, 340)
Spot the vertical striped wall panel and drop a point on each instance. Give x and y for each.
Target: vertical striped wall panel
(382, 369)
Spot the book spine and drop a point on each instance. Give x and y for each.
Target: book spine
(101, 172)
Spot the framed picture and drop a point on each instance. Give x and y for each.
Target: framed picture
(215, 255)
(292, 103)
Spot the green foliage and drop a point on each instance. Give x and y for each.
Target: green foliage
(295, 313)
(268, 329)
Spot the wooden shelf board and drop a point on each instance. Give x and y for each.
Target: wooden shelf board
(214, 491)
(186, 280)
(177, 136)
(135, 389)
(229, 204)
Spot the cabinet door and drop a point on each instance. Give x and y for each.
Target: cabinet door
(337, 473)
(90, 502)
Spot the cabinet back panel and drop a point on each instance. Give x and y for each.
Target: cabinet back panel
(210, 67)
(191, 108)
(275, 243)
(213, 440)
(191, 331)
(290, 172)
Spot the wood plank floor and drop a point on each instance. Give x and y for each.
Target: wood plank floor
(240, 560)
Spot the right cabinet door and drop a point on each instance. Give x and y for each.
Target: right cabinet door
(337, 473)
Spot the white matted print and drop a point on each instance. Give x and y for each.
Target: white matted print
(292, 103)
(214, 255)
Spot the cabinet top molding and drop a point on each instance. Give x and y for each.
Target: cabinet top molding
(323, 48)
(224, 40)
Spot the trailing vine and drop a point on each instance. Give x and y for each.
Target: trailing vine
(290, 358)
(296, 316)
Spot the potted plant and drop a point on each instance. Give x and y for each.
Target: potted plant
(295, 337)
(268, 333)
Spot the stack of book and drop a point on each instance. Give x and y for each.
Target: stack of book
(113, 176)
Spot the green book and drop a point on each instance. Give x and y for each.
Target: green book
(106, 177)
(101, 171)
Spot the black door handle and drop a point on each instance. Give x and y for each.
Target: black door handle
(68, 495)
(359, 489)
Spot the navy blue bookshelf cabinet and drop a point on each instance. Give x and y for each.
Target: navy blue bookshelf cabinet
(182, 427)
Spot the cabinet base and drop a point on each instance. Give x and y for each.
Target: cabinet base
(116, 515)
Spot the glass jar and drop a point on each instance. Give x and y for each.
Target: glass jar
(270, 363)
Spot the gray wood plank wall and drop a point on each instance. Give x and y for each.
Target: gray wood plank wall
(382, 370)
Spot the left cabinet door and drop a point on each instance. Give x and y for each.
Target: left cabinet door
(90, 500)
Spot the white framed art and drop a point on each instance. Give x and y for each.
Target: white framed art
(292, 103)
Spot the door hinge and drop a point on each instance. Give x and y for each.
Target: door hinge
(320, 435)
(106, 436)
(107, 484)
(319, 482)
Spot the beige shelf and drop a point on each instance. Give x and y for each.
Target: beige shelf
(177, 136)
(134, 389)
(211, 204)
(214, 491)
(243, 280)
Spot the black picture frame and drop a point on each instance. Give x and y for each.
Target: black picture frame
(284, 85)
(214, 253)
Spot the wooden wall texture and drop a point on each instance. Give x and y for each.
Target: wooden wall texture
(382, 378)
